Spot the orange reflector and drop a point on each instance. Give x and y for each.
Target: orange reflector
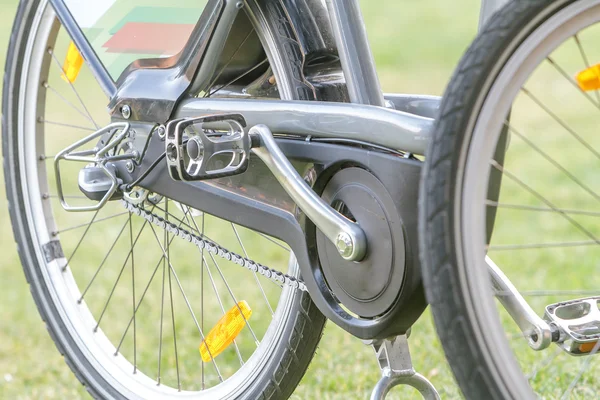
(589, 78)
(226, 330)
(73, 64)
(587, 347)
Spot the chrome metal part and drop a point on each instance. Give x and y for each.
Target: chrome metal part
(344, 244)
(87, 52)
(196, 161)
(355, 53)
(329, 221)
(130, 166)
(578, 322)
(101, 158)
(126, 111)
(203, 243)
(396, 367)
(537, 331)
(422, 105)
(161, 131)
(378, 125)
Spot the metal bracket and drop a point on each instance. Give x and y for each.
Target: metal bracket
(396, 366)
(347, 236)
(100, 157)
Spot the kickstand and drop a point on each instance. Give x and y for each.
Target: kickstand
(396, 369)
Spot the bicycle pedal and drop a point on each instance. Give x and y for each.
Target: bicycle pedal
(209, 147)
(579, 324)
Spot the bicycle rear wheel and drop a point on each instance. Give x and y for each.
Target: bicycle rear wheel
(510, 175)
(126, 303)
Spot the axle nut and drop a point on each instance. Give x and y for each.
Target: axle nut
(344, 244)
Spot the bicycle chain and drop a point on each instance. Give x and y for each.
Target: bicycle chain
(215, 249)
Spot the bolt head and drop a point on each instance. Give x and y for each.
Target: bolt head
(126, 112)
(129, 165)
(161, 132)
(344, 245)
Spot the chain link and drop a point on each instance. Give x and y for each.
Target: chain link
(203, 243)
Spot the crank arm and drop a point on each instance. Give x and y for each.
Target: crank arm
(539, 333)
(348, 237)
(386, 127)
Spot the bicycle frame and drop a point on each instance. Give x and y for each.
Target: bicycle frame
(190, 70)
(155, 91)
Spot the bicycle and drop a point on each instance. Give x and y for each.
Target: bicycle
(264, 126)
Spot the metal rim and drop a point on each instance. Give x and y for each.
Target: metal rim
(62, 286)
(470, 197)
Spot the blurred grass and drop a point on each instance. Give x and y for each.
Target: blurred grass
(416, 46)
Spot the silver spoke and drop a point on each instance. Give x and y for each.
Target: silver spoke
(67, 102)
(83, 128)
(229, 61)
(73, 88)
(586, 62)
(544, 363)
(133, 305)
(561, 123)
(212, 281)
(189, 306)
(112, 291)
(95, 221)
(273, 241)
(584, 368)
(554, 162)
(103, 262)
(492, 203)
(545, 293)
(233, 297)
(262, 290)
(572, 82)
(528, 246)
(544, 200)
(172, 307)
(231, 82)
(89, 225)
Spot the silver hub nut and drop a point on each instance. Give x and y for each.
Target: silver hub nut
(344, 245)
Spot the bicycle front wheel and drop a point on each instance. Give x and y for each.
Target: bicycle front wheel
(510, 181)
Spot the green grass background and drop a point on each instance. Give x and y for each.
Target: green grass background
(416, 47)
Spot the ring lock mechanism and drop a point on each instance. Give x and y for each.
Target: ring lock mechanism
(98, 180)
(208, 147)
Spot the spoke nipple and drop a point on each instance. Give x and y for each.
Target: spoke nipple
(42, 157)
(272, 80)
(344, 244)
(240, 5)
(45, 196)
(45, 84)
(54, 233)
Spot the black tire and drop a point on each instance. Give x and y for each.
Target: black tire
(293, 355)
(444, 275)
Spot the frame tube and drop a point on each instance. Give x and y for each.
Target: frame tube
(355, 53)
(87, 52)
(382, 126)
